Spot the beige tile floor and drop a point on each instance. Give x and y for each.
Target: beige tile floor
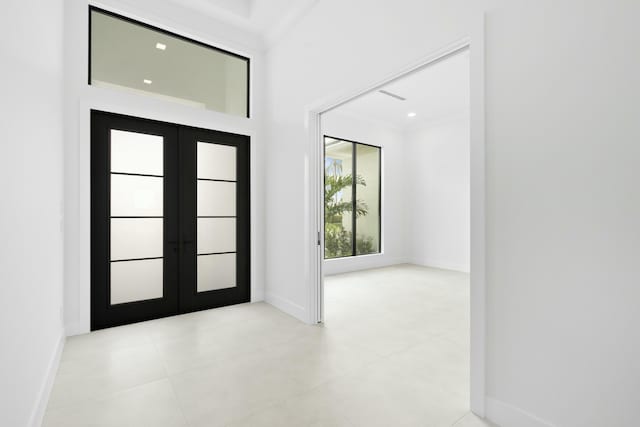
(393, 352)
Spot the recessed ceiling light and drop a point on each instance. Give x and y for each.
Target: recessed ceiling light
(147, 81)
(161, 46)
(411, 114)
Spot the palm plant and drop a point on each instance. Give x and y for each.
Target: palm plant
(338, 241)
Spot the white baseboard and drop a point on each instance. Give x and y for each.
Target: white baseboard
(45, 390)
(506, 415)
(289, 307)
(442, 265)
(72, 329)
(362, 262)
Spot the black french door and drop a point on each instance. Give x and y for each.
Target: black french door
(170, 219)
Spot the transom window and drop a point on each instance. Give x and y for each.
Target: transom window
(136, 57)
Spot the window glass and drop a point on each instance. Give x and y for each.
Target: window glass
(138, 58)
(338, 164)
(352, 198)
(368, 197)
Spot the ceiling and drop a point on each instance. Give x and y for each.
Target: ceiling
(432, 93)
(268, 18)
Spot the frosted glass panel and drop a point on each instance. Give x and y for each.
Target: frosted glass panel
(216, 235)
(136, 238)
(136, 280)
(216, 161)
(216, 198)
(134, 152)
(216, 272)
(136, 195)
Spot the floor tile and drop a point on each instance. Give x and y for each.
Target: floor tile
(91, 377)
(394, 350)
(471, 420)
(152, 404)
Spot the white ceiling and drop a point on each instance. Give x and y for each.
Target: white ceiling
(268, 18)
(435, 92)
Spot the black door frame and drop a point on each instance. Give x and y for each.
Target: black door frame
(179, 286)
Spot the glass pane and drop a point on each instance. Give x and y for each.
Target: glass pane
(133, 152)
(367, 200)
(136, 280)
(216, 198)
(216, 161)
(216, 235)
(136, 195)
(136, 58)
(216, 272)
(338, 163)
(136, 238)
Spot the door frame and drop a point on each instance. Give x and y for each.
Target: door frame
(104, 314)
(180, 294)
(315, 213)
(82, 98)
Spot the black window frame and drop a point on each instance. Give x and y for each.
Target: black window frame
(354, 170)
(172, 34)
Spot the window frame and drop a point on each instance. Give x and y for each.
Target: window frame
(353, 195)
(133, 21)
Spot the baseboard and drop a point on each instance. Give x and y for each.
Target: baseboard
(287, 306)
(443, 265)
(73, 329)
(362, 262)
(45, 390)
(506, 415)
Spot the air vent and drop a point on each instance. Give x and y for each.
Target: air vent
(393, 95)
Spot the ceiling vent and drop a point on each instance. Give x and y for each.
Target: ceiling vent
(393, 95)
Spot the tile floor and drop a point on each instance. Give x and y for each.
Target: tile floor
(393, 352)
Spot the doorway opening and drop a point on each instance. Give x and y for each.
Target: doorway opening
(357, 108)
(170, 219)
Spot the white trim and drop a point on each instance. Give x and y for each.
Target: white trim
(82, 98)
(360, 262)
(442, 265)
(314, 214)
(156, 109)
(477, 278)
(506, 415)
(283, 304)
(45, 389)
(72, 329)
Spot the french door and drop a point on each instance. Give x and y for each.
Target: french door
(170, 219)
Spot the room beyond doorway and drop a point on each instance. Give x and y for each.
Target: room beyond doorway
(411, 201)
(473, 206)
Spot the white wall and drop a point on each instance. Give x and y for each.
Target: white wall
(354, 128)
(561, 169)
(31, 265)
(437, 198)
(81, 98)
